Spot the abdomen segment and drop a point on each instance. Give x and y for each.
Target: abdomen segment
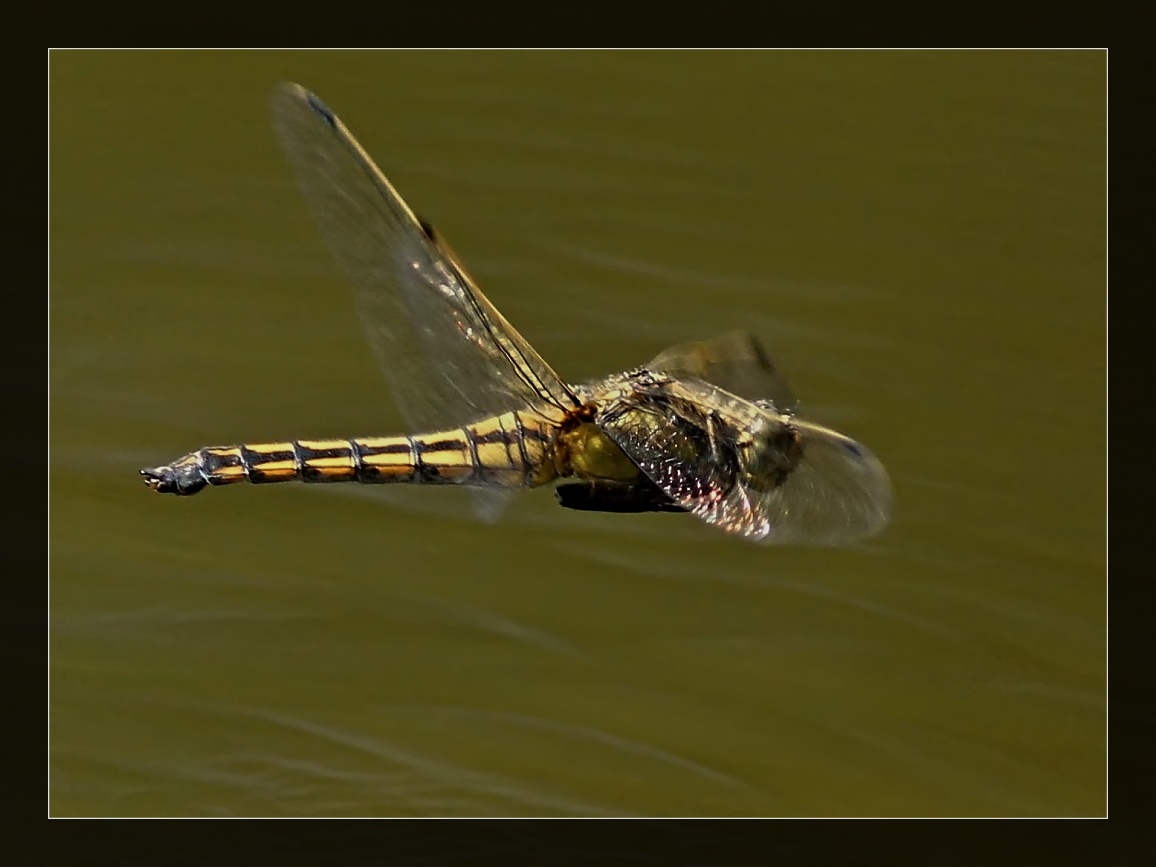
(510, 450)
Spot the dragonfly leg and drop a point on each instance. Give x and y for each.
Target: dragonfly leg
(605, 495)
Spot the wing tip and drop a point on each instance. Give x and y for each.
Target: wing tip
(289, 93)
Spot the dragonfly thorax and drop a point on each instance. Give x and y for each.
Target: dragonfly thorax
(586, 452)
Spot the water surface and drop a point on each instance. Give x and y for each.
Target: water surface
(918, 237)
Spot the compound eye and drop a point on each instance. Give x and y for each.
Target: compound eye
(789, 443)
(772, 457)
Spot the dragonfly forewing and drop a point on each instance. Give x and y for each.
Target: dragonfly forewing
(446, 351)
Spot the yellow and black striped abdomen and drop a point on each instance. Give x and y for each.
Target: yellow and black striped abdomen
(511, 450)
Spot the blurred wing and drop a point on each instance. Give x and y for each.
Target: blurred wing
(735, 362)
(837, 492)
(450, 357)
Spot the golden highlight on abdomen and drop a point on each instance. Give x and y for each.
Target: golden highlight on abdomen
(510, 450)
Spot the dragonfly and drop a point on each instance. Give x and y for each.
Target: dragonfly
(710, 427)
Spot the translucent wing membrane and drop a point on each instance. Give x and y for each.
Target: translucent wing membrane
(450, 357)
(678, 457)
(839, 492)
(750, 471)
(735, 362)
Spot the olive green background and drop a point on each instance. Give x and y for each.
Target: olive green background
(919, 237)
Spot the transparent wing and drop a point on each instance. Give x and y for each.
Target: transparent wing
(832, 492)
(839, 492)
(450, 357)
(736, 362)
(680, 457)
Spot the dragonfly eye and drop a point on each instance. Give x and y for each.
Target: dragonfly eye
(770, 456)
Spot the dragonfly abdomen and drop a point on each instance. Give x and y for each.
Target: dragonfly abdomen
(510, 450)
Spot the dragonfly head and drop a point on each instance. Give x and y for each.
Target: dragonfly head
(768, 454)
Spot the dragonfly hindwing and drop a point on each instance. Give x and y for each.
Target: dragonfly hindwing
(736, 362)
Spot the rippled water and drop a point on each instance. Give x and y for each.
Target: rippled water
(920, 239)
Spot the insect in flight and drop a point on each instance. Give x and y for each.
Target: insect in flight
(707, 428)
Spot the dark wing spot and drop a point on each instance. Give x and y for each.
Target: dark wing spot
(322, 109)
(761, 358)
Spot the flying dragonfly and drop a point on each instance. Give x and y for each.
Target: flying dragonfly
(708, 428)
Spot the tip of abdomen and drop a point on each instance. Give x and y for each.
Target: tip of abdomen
(167, 480)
